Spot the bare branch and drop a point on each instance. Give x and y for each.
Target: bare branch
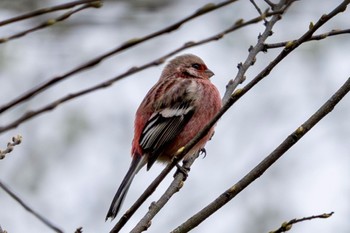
(79, 230)
(182, 151)
(253, 51)
(46, 10)
(126, 45)
(30, 210)
(2, 231)
(286, 226)
(10, 145)
(174, 187)
(48, 23)
(256, 172)
(258, 9)
(30, 114)
(322, 36)
(233, 98)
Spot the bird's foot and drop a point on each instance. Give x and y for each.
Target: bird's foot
(183, 170)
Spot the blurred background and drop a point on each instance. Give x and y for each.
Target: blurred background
(72, 159)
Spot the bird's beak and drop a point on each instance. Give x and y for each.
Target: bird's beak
(209, 73)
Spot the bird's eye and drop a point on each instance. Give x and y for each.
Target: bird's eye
(196, 66)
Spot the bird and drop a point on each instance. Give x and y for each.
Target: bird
(174, 110)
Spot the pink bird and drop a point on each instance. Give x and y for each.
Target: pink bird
(177, 107)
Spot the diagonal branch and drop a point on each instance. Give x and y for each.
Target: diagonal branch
(126, 45)
(48, 23)
(286, 226)
(16, 140)
(185, 149)
(253, 51)
(293, 138)
(174, 187)
(33, 113)
(322, 36)
(233, 98)
(45, 11)
(30, 210)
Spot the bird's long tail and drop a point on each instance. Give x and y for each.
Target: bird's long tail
(136, 164)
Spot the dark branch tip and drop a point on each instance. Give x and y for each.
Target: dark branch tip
(206, 8)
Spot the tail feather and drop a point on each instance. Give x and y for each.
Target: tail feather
(119, 197)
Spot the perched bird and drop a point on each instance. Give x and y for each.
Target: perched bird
(177, 107)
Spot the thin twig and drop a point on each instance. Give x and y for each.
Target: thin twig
(286, 226)
(45, 11)
(33, 113)
(253, 51)
(30, 210)
(322, 36)
(16, 140)
(258, 9)
(256, 172)
(126, 45)
(272, 5)
(48, 23)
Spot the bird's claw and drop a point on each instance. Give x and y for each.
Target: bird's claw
(183, 170)
(204, 152)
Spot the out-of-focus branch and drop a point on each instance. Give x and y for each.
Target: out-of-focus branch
(286, 226)
(126, 45)
(322, 36)
(49, 22)
(33, 113)
(10, 145)
(46, 10)
(2, 231)
(293, 138)
(30, 210)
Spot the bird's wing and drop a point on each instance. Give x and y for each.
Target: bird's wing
(163, 126)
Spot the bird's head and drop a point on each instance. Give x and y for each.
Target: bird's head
(187, 66)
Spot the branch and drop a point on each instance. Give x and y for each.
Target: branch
(79, 230)
(182, 152)
(126, 45)
(32, 113)
(233, 98)
(10, 145)
(30, 210)
(286, 226)
(258, 9)
(293, 138)
(174, 187)
(253, 51)
(49, 22)
(45, 11)
(322, 36)
(2, 231)
(145, 222)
